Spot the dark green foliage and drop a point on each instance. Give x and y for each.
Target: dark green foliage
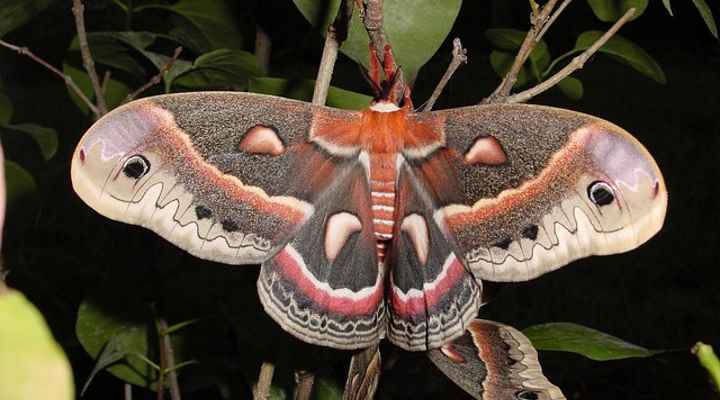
(103, 286)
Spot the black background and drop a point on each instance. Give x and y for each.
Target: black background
(664, 295)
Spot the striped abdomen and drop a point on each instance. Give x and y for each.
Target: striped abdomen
(382, 189)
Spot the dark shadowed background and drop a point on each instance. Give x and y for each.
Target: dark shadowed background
(664, 295)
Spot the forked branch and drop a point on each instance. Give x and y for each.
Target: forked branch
(576, 63)
(459, 57)
(68, 80)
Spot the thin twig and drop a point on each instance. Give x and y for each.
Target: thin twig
(539, 22)
(576, 63)
(78, 10)
(263, 48)
(160, 390)
(127, 391)
(167, 349)
(68, 80)
(106, 80)
(373, 19)
(303, 385)
(552, 19)
(157, 78)
(363, 374)
(459, 57)
(336, 34)
(262, 389)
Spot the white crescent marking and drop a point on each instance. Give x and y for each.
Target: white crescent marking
(337, 231)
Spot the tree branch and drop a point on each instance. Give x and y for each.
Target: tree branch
(263, 48)
(336, 34)
(540, 22)
(157, 78)
(167, 349)
(78, 10)
(68, 80)
(373, 20)
(576, 63)
(459, 57)
(303, 385)
(363, 374)
(262, 389)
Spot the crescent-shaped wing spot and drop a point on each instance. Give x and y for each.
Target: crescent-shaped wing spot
(486, 150)
(337, 231)
(262, 139)
(416, 227)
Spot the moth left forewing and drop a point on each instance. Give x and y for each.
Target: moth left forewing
(206, 171)
(535, 188)
(492, 361)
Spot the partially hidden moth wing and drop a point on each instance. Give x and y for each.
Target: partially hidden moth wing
(236, 178)
(492, 361)
(521, 190)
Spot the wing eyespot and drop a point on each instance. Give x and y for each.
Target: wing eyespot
(136, 167)
(600, 193)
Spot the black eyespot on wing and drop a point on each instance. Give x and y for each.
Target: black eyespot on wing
(530, 232)
(230, 225)
(526, 395)
(136, 167)
(504, 243)
(600, 193)
(203, 212)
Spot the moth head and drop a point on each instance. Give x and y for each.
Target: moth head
(622, 187)
(116, 157)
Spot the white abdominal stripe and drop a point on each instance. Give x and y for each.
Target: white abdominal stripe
(170, 211)
(564, 235)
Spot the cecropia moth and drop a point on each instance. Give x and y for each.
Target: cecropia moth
(376, 223)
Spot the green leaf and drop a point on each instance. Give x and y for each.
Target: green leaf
(510, 41)
(666, 3)
(593, 344)
(115, 49)
(571, 87)
(46, 138)
(15, 13)
(115, 93)
(6, 109)
(415, 28)
(32, 364)
(501, 63)
(96, 329)
(626, 52)
(277, 393)
(612, 10)
(205, 25)
(326, 389)
(707, 358)
(18, 181)
(707, 16)
(111, 48)
(303, 90)
(220, 69)
(111, 353)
